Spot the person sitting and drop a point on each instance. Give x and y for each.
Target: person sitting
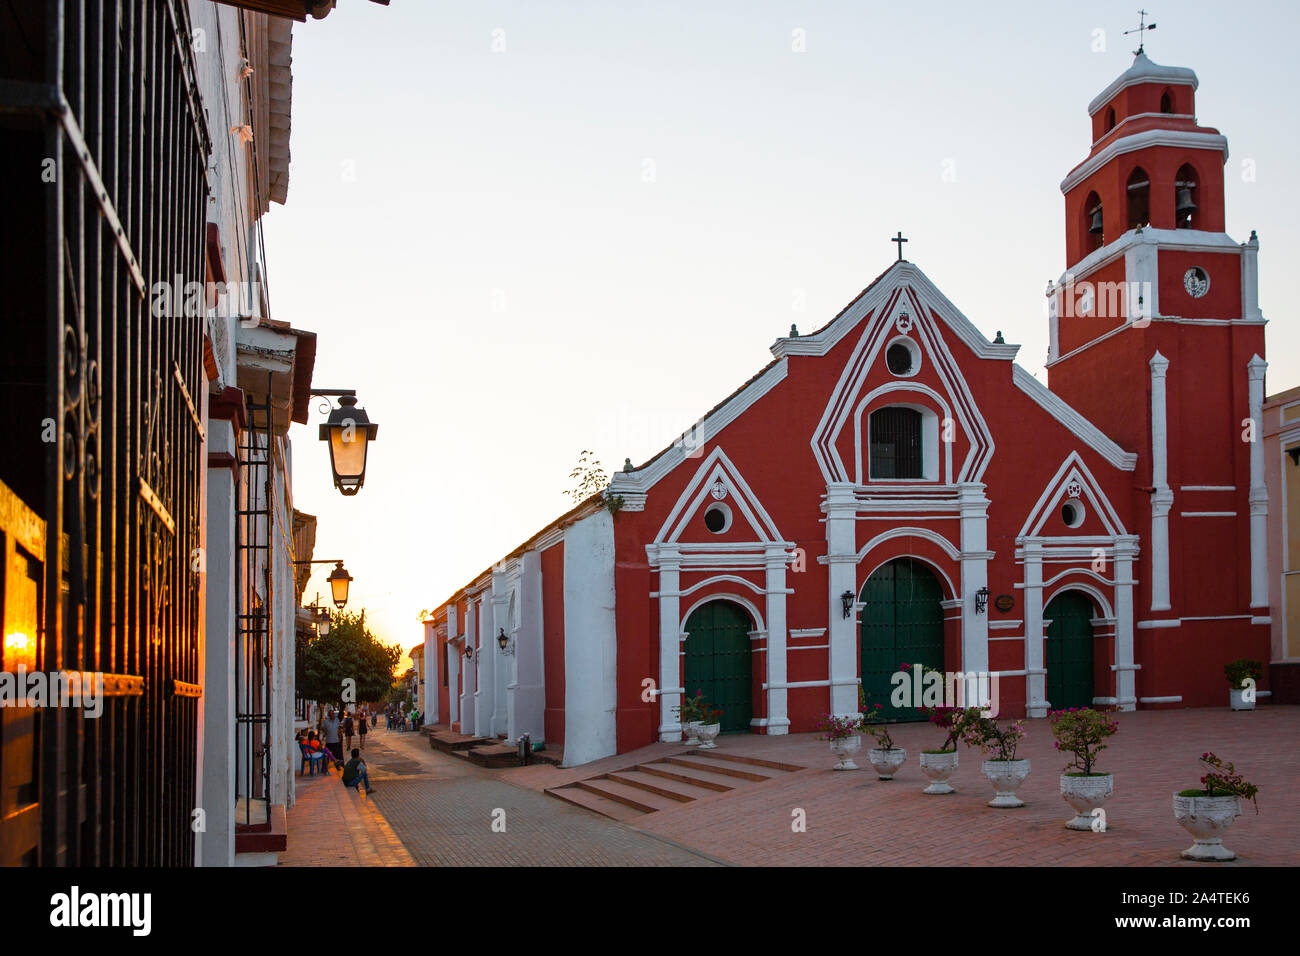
(354, 773)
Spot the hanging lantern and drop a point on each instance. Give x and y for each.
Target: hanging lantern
(339, 580)
(349, 430)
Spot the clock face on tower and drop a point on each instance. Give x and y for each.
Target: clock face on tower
(1196, 281)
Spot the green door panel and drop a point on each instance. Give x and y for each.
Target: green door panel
(718, 652)
(1067, 652)
(901, 622)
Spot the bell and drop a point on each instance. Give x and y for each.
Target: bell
(1185, 206)
(1095, 228)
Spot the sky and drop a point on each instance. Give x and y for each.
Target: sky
(524, 230)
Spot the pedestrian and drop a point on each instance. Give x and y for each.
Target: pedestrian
(362, 728)
(355, 773)
(330, 729)
(348, 730)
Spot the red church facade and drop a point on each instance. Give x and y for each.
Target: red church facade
(893, 488)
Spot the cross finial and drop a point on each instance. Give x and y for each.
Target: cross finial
(900, 240)
(1143, 26)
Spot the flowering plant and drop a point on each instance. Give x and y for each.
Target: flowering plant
(709, 714)
(838, 728)
(1237, 671)
(1080, 731)
(872, 721)
(691, 707)
(953, 721)
(998, 740)
(1222, 780)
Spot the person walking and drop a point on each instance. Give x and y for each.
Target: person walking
(349, 729)
(330, 729)
(362, 729)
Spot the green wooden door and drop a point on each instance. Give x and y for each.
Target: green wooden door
(902, 622)
(1067, 652)
(718, 661)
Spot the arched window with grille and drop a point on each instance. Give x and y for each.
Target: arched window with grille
(1093, 235)
(895, 443)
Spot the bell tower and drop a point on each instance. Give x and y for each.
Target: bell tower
(1156, 337)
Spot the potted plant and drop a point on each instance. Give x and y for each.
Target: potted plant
(1005, 771)
(885, 757)
(842, 732)
(1079, 731)
(709, 723)
(1238, 673)
(1206, 813)
(689, 714)
(938, 765)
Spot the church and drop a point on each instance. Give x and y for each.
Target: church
(894, 489)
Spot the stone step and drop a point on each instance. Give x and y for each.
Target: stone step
(737, 758)
(596, 803)
(623, 793)
(718, 768)
(693, 775)
(663, 786)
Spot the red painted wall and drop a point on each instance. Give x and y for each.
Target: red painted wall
(552, 561)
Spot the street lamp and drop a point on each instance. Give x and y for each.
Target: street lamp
(339, 580)
(323, 623)
(348, 430)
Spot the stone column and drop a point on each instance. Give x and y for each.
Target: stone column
(1258, 490)
(528, 693)
(469, 684)
(1126, 548)
(974, 575)
(840, 508)
(1035, 681)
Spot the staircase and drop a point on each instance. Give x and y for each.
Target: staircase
(485, 751)
(668, 782)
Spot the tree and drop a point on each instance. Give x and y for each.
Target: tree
(591, 479)
(348, 651)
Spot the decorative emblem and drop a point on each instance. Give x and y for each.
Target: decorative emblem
(903, 322)
(1196, 281)
(719, 490)
(1074, 489)
(1004, 602)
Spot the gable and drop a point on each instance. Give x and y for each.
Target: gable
(1072, 484)
(718, 484)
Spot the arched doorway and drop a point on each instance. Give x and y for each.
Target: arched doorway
(1067, 652)
(902, 623)
(718, 651)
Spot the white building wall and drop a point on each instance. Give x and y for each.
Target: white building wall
(590, 646)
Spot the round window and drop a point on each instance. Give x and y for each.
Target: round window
(1072, 514)
(717, 518)
(902, 357)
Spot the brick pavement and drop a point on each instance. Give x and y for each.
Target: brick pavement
(855, 819)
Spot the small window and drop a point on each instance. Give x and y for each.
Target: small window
(717, 518)
(1139, 198)
(899, 359)
(1072, 514)
(1185, 206)
(1166, 102)
(1110, 119)
(1093, 223)
(895, 437)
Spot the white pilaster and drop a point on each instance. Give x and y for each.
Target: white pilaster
(469, 684)
(1250, 279)
(502, 664)
(1162, 499)
(840, 508)
(453, 680)
(529, 691)
(778, 720)
(432, 673)
(670, 678)
(590, 640)
(1036, 682)
(1126, 548)
(974, 575)
(485, 664)
(1258, 490)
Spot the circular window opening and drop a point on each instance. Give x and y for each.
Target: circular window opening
(1072, 514)
(718, 518)
(901, 358)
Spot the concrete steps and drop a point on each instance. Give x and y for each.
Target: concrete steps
(667, 783)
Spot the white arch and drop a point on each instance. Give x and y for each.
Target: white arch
(1098, 598)
(718, 579)
(916, 557)
(735, 598)
(944, 544)
(904, 386)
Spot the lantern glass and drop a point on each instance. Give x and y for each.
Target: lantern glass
(348, 455)
(339, 581)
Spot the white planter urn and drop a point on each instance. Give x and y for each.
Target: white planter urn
(691, 729)
(887, 762)
(1006, 776)
(938, 767)
(1084, 795)
(1237, 700)
(707, 732)
(845, 748)
(1205, 818)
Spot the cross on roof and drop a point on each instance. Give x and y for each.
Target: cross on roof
(900, 240)
(1142, 27)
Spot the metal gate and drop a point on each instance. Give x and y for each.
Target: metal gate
(902, 623)
(103, 151)
(1067, 652)
(718, 661)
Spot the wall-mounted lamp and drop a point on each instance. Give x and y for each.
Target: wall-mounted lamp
(981, 600)
(469, 652)
(846, 600)
(339, 580)
(348, 430)
(1295, 455)
(503, 639)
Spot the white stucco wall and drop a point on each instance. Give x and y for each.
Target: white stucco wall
(590, 645)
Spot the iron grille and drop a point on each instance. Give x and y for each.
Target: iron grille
(896, 443)
(103, 150)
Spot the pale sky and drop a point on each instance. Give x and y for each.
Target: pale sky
(526, 229)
